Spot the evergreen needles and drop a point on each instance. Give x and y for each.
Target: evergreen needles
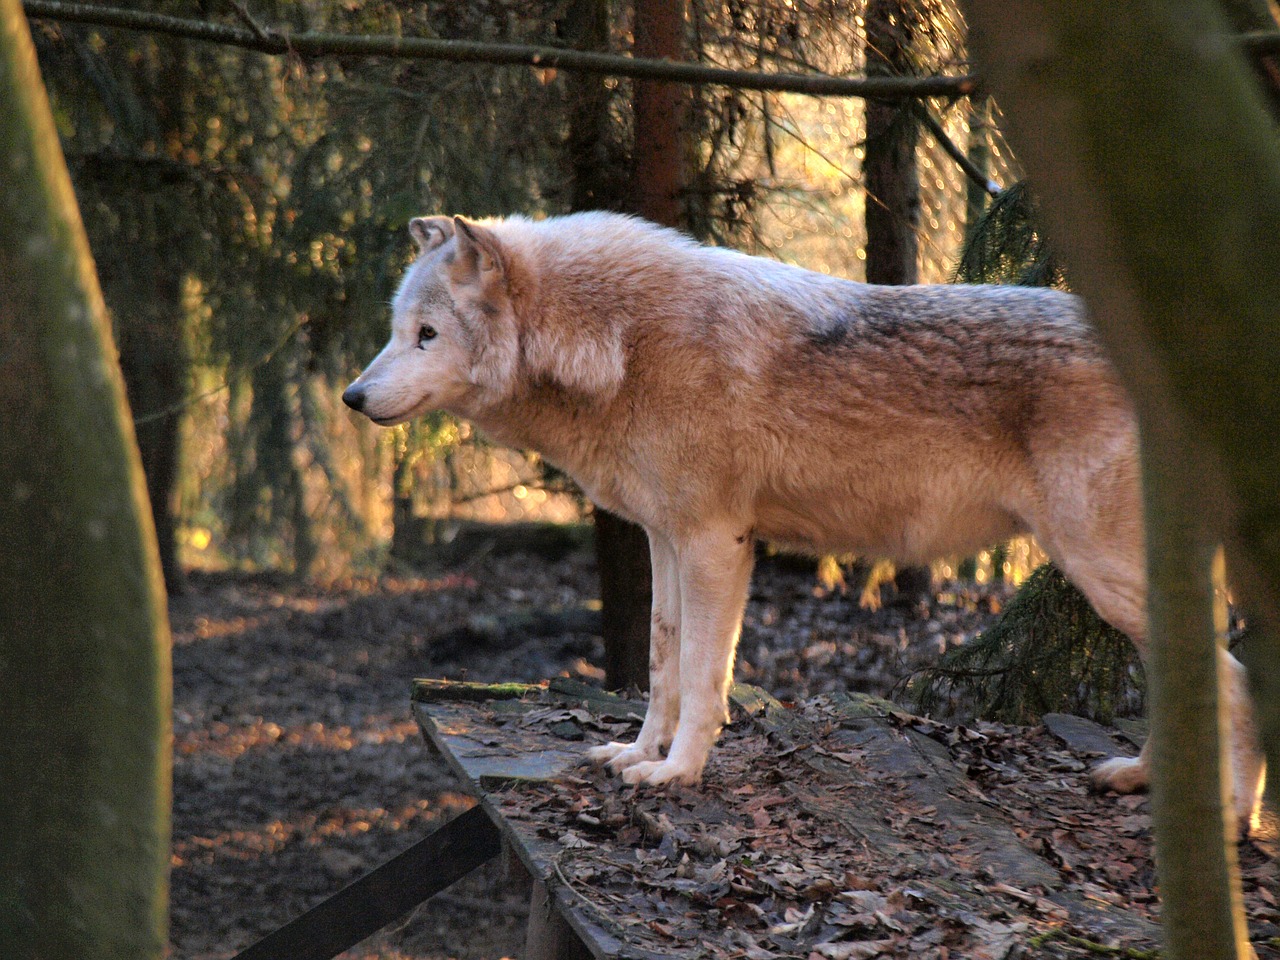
(1006, 245)
(1048, 652)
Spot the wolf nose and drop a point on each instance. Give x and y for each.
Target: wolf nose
(353, 397)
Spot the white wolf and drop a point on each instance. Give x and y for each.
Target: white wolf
(714, 398)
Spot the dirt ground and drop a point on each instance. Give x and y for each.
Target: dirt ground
(298, 765)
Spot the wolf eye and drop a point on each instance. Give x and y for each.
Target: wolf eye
(425, 333)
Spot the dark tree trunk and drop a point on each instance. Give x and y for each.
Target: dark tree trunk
(154, 360)
(599, 181)
(622, 548)
(142, 274)
(660, 116)
(889, 170)
(597, 162)
(626, 600)
(892, 183)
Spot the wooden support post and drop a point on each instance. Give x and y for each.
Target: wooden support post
(549, 936)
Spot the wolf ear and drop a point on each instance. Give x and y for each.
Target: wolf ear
(479, 281)
(430, 232)
(481, 257)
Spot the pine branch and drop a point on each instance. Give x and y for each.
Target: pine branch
(312, 44)
(955, 153)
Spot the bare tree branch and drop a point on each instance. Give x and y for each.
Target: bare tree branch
(312, 44)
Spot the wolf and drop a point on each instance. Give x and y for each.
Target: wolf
(717, 398)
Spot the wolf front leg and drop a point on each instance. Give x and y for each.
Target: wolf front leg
(714, 569)
(664, 667)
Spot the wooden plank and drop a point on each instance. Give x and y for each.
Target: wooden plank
(490, 747)
(1084, 736)
(846, 764)
(487, 745)
(386, 894)
(979, 828)
(486, 756)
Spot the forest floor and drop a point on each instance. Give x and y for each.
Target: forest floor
(298, 765)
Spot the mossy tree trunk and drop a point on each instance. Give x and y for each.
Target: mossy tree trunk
(1246, 16)
(1159, 174)
(1202, 910)
(84, 670)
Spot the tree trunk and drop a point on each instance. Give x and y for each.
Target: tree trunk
(84, 686)
(979, 154)
(143, 266)
(1193, 818)
(622, 548)
(597, 174)
(626, 600)
(660, 116)
(889, 171)
(892, 183)
(155, 365)
(1181, 283)
(596, 160)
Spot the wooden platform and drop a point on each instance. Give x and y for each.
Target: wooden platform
(841, 828)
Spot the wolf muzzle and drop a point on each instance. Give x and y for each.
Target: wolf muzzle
(354, 397)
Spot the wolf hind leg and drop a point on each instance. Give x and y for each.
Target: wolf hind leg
(1117, 593)
(659, 727)
(1124, 774)
(1248, 767)
(1115, 583)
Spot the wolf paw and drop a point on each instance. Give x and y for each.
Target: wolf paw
(605, 752)
(659, 772)
(620, 756)
(1121, 774)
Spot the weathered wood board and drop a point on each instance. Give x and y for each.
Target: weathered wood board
(838, 828)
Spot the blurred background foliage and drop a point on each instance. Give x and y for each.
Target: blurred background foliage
(248, 215)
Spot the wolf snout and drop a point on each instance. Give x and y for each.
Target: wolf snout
(354, 397)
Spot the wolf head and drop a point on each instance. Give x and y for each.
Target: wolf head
(453, 327)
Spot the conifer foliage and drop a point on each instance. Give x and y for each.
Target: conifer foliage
(1048, 653)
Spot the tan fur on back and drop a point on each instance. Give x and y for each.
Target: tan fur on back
(780, 395)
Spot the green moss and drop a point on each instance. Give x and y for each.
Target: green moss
(445, 691)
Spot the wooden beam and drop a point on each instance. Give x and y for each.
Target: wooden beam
(386, 894)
